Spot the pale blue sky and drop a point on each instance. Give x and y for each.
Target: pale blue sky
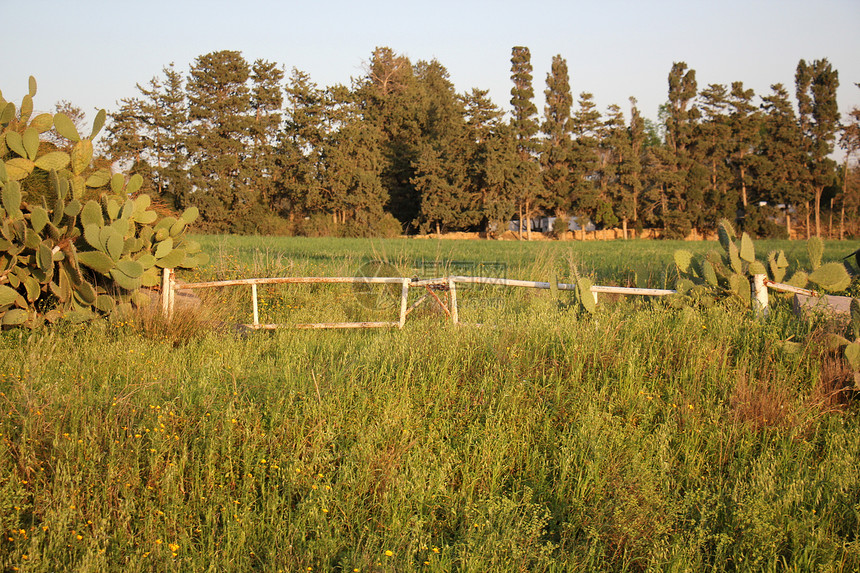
(92, 52)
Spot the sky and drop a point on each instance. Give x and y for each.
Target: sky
(93, 52)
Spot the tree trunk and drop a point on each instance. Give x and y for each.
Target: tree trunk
(521, 221)
(842, 225)
(788, 223)
(830, 221)
(808, 227)
(818, 192)
(528, 215)
(438, 230)
(664, 208)
(624, 228)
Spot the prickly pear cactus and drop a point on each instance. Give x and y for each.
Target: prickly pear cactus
(850, 348)
(84, 247)
(727, 276)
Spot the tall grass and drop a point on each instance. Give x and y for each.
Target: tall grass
(643, 438)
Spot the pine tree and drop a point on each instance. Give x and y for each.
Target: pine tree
(779, 173)
(220, 113)
(387, 95)
(267, 99)
(441, 171)
(482, 116)
(711, 147)
(167, 109)
(350, 185)
(125, 139)
(299, 151)
(491, 161)
(584, 162)
(816, 86)
(612, 147)
(744, 120)
(150, 132)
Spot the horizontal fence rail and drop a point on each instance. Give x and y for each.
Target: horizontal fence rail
(760, 287)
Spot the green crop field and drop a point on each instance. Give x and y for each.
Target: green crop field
(641, 438)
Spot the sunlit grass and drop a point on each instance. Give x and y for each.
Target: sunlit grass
(640, 438)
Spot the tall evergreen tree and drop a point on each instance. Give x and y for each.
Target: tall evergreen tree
(267, 99)
(681, 180)
(387, 95)
(850, 193)
(779, 173)
(631, 172)
(151, 132)
(220, 112)
(298, 156)
(586, 128)
(555, 152)
(126, 140)
(612, 148)
(816, 86)
(441, 172)
(491, 161)
(526, 181)
(350, 180)
(745, 122)
(711, 147)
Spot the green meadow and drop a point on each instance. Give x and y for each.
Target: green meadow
(640, 438)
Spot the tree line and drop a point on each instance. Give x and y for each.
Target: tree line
(399, 150)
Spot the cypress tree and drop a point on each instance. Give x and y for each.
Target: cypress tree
(526, 183)
(631, 169)
(555, 152)
(816, 86)
(682, 180)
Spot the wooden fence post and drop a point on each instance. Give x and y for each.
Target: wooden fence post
(165, 293)
(452, 292)
(760, 297)
(254, 304)
(404, 298)
(171, 294)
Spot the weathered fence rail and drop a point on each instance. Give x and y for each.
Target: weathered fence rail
(761, 285)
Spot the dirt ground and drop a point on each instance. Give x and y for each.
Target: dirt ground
(601, 235)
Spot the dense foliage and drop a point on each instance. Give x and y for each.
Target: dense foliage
(399, 148)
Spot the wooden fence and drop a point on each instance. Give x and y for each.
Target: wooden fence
(761, 285)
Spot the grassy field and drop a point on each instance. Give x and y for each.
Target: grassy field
(641, 438)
